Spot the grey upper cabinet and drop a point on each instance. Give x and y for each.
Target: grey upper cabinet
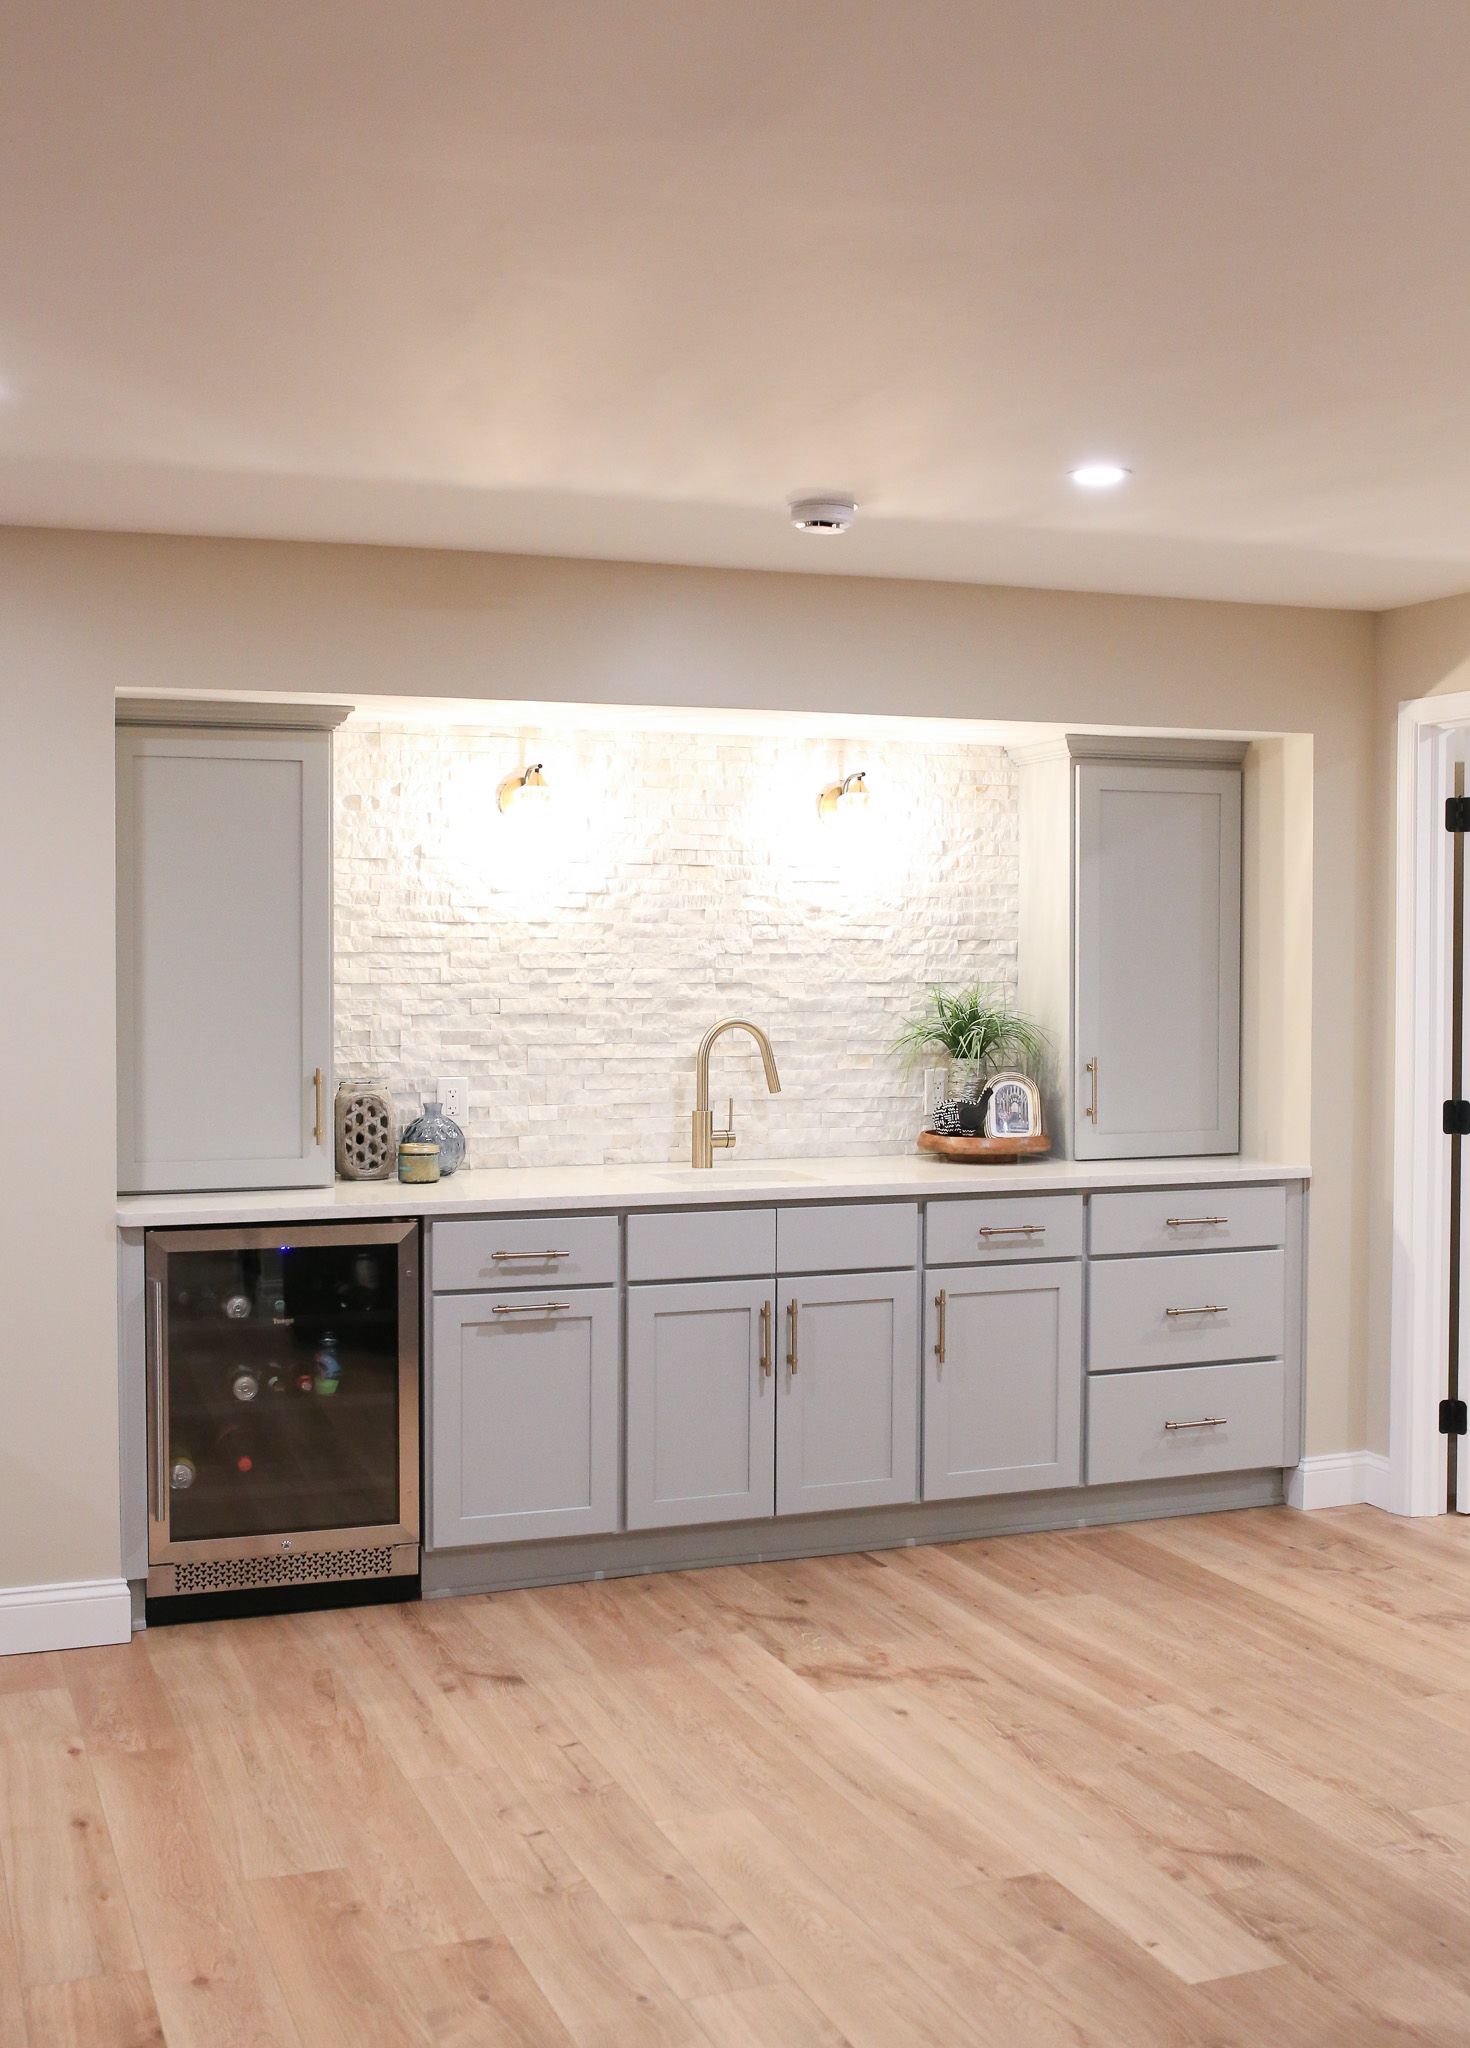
(524, 1416)
(224, 878)
(847, 1425)
(701, 1403)
(1130, 942)
(1002, 1380)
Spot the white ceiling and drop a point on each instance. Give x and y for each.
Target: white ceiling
(613, 277)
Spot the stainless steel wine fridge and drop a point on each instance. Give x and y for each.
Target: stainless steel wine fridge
(283, 1406)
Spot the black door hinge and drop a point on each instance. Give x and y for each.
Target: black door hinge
(1457, 814)
(1457, 1118)
(1454, 1419)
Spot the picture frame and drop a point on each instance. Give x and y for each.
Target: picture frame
(1013, 1107)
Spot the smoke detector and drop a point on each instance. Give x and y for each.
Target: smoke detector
(823, 515)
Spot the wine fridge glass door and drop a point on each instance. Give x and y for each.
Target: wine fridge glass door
(280, 1406)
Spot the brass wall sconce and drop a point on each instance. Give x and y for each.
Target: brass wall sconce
(526, 792)
(844, 799)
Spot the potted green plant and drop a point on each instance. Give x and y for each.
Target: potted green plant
(977, 1031)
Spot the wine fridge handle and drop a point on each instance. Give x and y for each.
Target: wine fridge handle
(160, 1419)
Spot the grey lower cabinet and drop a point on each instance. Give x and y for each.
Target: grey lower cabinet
(524, 1416)
(636, 1404)
(701, 1403)
(847, 1427)
(1003, 1379)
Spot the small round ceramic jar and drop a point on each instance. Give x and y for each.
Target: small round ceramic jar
(417, 1163)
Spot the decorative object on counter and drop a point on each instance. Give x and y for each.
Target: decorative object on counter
(978, 1032)
(984, 1151)
(366, 1127)
(960, 1118)
(435, 1128)
(1012, 1107)
(417, 1164)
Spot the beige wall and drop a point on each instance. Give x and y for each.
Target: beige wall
(58, 1273)
(1422, 650)
(85, 614)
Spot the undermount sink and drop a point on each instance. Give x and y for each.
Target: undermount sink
(734, 1176)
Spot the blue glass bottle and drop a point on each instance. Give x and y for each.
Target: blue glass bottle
(435, 1128)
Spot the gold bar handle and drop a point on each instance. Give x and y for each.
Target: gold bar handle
(941, 1303)
(791, 1336)
(318, 1082)
(1204, 1422)
(1209, 1309)
(1091, 1068)
(528, 1308)
(538, 1258)
(1191, 1222)
(1013, 1230)
(765, 1340)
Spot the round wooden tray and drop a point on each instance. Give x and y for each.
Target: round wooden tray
(977, 1151)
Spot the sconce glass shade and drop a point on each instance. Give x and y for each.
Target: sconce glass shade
(845, 799)
(526, 793)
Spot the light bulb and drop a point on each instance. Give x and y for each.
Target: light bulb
(1100, 476)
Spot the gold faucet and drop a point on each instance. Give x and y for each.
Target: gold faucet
(706, 1137)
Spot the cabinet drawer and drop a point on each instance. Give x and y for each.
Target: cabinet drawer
(701, 1244)
(1187, 1220)
(1003, 1227)
(1185, 1310)
(851, 1237)
(1225, 1418)
(524, 1251)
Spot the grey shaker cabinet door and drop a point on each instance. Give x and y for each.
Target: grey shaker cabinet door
(1003, 1392)
(848, 1374)
(701, 1403)
(1157, 961)
(224, 899)
(524, 1396)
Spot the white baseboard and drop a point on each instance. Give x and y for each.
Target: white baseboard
(78, 1614)
(1340, 1479)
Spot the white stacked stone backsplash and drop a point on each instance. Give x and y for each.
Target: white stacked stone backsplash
(570, 963)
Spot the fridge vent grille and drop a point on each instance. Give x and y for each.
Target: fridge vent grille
(235, 1574)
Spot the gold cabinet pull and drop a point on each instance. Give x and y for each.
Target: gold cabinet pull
(318, 1081)
(528, 1308)
(1013, 1230)
(1204, 1422)
(765, 1340)
(1191, 1222)
(1091, 1069)
(941, 1303)
(791, 1336)
(1209, 1309)
(538, 1258)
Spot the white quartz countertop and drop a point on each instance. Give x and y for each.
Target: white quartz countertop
(537, 1189)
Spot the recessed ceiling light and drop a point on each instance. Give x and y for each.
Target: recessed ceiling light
(1100, 476)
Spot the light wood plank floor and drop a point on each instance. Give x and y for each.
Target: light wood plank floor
(1203, 1783)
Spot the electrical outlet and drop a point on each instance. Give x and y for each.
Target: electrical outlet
(934, 1080)
(454, 1096)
